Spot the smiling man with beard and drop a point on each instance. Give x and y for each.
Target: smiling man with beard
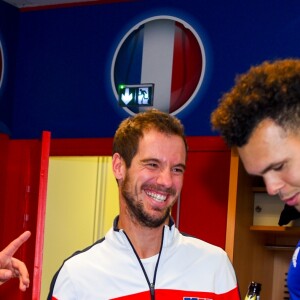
(144, 256)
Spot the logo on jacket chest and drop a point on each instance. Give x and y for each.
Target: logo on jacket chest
(195, 298)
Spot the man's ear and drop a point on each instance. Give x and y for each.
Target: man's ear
(118, 166)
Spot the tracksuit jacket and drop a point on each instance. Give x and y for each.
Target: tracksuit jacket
(294, 275)
(186, 268)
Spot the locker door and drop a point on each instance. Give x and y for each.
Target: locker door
(23, 182)
(202, 211)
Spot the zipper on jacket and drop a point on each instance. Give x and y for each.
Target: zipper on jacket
(151, 285)
(152, 291)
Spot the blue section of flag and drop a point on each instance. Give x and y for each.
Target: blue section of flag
(129, 59)
(128, 65)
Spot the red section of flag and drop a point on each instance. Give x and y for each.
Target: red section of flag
(187, 66)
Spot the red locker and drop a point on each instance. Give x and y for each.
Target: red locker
(203, 204)
(23, 186)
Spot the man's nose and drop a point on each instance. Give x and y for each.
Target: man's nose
(273, 185)
(165, 178)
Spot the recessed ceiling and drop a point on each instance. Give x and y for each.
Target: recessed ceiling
(36, 3)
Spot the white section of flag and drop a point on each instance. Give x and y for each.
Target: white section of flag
(157, 61)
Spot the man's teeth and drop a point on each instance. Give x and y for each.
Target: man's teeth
(157, 197)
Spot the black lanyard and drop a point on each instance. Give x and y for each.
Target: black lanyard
(151, 285)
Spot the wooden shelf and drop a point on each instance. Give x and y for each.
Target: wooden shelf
(280, 248)
(290, 229)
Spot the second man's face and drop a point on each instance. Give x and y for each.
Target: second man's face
(274, 154)
(154, 181)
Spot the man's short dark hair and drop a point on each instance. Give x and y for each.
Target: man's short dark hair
(127, 136)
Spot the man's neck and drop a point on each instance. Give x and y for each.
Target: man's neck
(146, 241)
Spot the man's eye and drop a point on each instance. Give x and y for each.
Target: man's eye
(278, 167)
(152, 165)
(178, 170)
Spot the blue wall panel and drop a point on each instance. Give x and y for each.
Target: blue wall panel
(9, 26)
(62, 79)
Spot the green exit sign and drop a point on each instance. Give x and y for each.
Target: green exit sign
(136, 94)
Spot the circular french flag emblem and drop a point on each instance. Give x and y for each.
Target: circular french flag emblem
(166, 52)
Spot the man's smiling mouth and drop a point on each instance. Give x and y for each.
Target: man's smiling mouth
(156, 197)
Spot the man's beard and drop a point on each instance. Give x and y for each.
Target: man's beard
(136, 209)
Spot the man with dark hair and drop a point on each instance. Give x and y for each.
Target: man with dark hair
(144, 256)
(260, 116)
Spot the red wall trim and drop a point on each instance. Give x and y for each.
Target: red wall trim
(206, 143)
(81, 147)
(103, 146)
(4, 136)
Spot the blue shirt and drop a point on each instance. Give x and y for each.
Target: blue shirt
(294, 275)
